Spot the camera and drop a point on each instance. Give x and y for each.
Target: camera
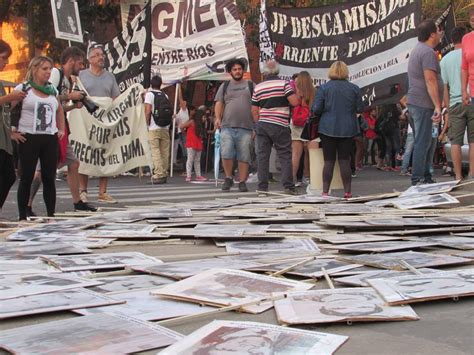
(90, 105)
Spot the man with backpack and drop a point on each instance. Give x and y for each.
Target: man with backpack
(234, 118)
(158, 115)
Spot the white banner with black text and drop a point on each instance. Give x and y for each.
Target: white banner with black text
(115, 138)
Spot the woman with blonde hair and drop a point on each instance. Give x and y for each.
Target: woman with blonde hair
(41, 123)
(305, 91)
(337, 102)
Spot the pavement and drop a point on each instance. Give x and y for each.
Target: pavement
(445, 327)
(135, 191)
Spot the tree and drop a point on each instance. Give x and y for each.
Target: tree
(41, 32)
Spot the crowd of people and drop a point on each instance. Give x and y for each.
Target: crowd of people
(257, 122)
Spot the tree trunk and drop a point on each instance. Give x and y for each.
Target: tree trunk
(31, 33)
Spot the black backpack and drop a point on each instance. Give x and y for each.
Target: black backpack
(162, 110)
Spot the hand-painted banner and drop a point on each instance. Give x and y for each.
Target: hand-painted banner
(114, 139)
(128, 54)
(265, 43)
(192, 40)
(374, 38)
(447, 22)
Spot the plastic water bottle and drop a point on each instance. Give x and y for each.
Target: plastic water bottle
(434, 130)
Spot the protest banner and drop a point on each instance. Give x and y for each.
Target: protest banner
(446, 21)
(114, 139)
(193, 40)
(265, 43)
(374, 38)
(128, 54)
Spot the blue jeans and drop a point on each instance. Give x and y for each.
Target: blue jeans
(236, 143)
(431, 153)
(408, 151)
(421, 159)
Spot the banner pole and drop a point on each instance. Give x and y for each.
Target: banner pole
(176, 93)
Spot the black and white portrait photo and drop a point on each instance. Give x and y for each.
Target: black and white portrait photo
(44, 116)
(67, 23)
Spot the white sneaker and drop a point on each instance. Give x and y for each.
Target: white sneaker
(83, 196)
(106, 198)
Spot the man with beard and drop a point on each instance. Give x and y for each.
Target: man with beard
(98, 82)
(72, 61)
(425, 93)
(234, 118)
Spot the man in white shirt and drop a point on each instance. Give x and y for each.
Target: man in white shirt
(158, 132)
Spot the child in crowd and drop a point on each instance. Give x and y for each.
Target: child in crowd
(194, 135)
(370, 135)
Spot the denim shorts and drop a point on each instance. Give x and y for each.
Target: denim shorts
(236, 143)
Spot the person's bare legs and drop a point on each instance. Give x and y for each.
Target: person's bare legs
(243, 171)
(73, 180)
(83, 182)
(227, 164)
(456, 154)
(296, 151)
(306, 171)
(471, 160)
(103, 185)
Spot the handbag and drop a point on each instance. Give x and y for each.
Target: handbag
(310, 129)
(300, 115)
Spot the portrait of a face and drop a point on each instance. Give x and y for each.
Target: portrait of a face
(230, 337)
(336, 305)
(226, 341)
(44, 117)
(415, 288)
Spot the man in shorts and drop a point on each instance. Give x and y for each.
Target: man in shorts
(460, 117)
(234, 118)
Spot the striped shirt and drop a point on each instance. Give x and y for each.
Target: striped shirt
(272, 98)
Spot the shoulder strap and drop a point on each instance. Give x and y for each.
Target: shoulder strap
(61, 77)
(250, 84)
(226, 85)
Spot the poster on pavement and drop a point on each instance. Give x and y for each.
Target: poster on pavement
(114, 139)
(374, 38)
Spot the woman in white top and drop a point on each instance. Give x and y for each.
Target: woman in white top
(41, 123)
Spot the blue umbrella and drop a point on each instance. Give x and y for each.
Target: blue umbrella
(217, 153)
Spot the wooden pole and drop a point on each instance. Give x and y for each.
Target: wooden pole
(410, 267)
(178, 320)
(176, 93)
(291, 267)
(328, 279)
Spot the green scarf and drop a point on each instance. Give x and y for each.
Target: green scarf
(48, 89)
